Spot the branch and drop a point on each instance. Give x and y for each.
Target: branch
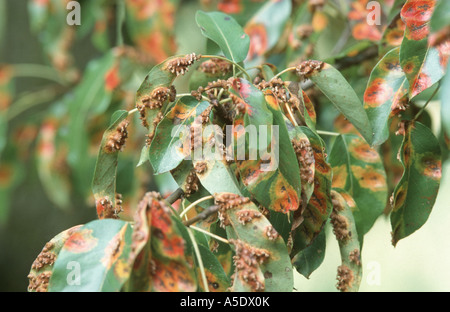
(175, 196)
(202, 215)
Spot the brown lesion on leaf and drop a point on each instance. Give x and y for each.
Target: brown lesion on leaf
(201, 167)
(227, 201)
(116, 140)
(305, 158)
(179, 66)
(271, 233)
(339, 222)
(155, 123)
(215, 66)
(191, 183)
(245, 216)
(247, 261)
(106, 209)
(345, 278)
(155, 100)
(45, 258)
(355, 257)
(39, 282)
(307, 68)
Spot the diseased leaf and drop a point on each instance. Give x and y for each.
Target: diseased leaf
(160, 254)
(386, 94)
(218, 281)
(173, 136)
(42, 267)
(226, 32)
(358, 169)
(262, 260)
(266, 27)
(319, 207)
(344, 228)
(97, 253)
(417, 190)
(152, 29)
(393, 35)
(331, 82)
(104, 181)
(310, 258)
(423, 65)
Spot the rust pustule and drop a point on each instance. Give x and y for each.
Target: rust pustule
(246, 216)
(200, 167)
(355, 256)
(339, 222)
(180, 65)
(116, 140)
(271, 233)
(305, 158)
(247, 261)
(191, 183)
(106, 209)
(45, 258)
(345, 278)
(39, 283)
(215, 66)
(309, 67)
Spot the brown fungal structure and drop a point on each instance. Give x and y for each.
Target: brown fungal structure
(245, 216)
(215, 66)
(39, 282)
(247, 261)
(155, 100)
(155, 123)
(227, 201)
(305, 158)
(345, 278)
(308, 68)
(116, 140)
(180, 65)
(355, 257)
(339, 222)
(271, 233)
(45, 258)
(200, 167)
(106, 209)
(191, 183)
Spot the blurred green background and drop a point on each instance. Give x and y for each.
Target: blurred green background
(418, 263)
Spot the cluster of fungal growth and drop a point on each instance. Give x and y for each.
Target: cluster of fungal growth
(245, 216)
(155, 123)
(155, 100)
(314, 5)
(247, 261)
(180, 65)
(345, 278)
(338, 221)
(45, 258)
(307, 68)
(216, 66)
(355, 256)
(191, 184)
(271, 233)
(39, 281)
(305, 158)
(399, 106)
(116, 140)
(200, 167)
(106, 209)
(227, 201)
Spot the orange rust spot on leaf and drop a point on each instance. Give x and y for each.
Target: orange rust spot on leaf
(378, 93)
(370, 178)
(81, 241)
(258, 40)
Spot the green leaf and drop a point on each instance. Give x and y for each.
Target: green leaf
(226, 32)
(255, 238)
(172, 141)
(104, 181)
(214, 171)
(386, 93)
(393, 35)
(98, 252)
(417, 190)
(344, 228)
(310, 258)
(440, 17)
(218, 281)
(423, 65)
(331, 82)
(358, 169)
